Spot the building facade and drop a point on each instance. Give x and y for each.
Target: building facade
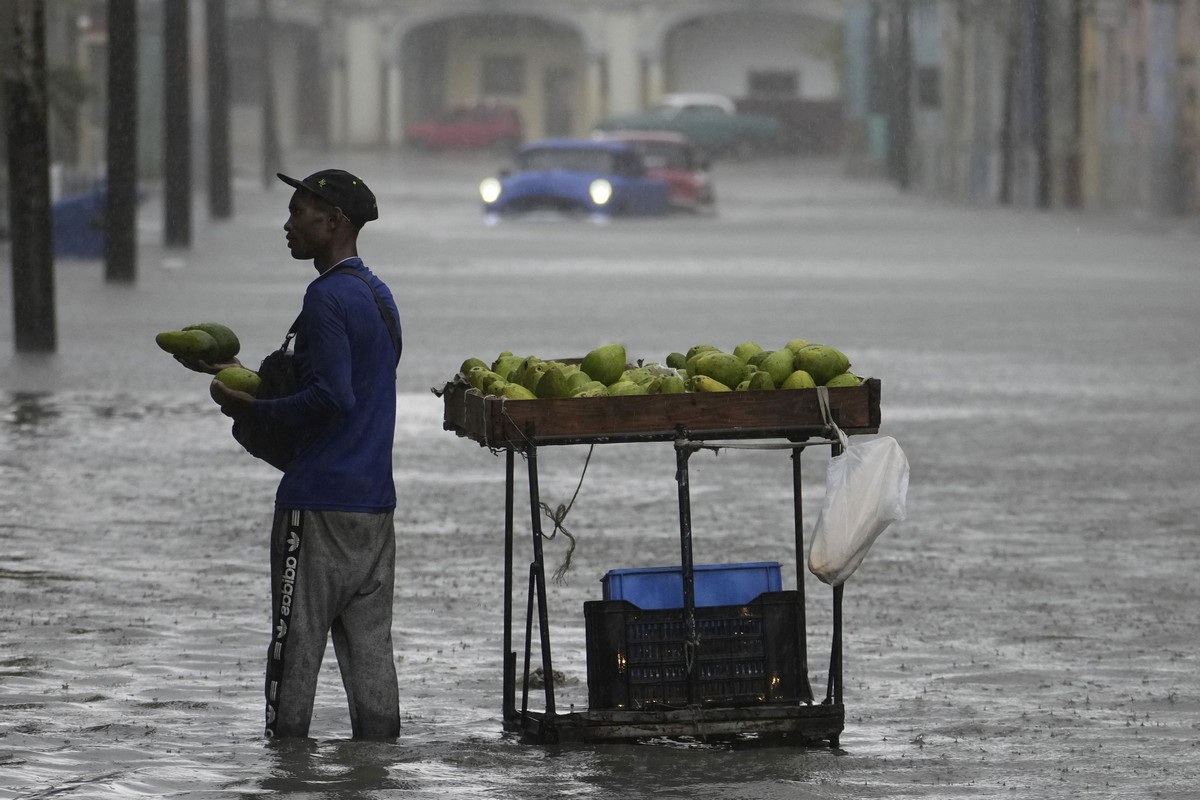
(1038, 103)
(355, 74)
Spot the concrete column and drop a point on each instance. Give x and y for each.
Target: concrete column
(364, 82)
(654, 79)
(1162, 67)
(624, 64)
(1090, 104)
(594, 100)
(395, 105)
(338, 104)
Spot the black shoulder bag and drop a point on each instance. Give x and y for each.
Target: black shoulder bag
(279, 377)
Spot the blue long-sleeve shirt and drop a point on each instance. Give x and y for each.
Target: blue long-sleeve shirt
(346, 408)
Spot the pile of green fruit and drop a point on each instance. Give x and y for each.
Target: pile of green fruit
(605, 372)
(214, 343)
(204, 341)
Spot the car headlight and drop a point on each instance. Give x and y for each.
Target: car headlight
(489, 190)
(600, 191)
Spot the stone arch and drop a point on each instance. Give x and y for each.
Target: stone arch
(777, 57)
(820, 12)
(448, 54)
(403, 23)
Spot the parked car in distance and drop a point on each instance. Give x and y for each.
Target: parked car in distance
(599, 178)
(709, 121)
(484, 125)
(672, 158)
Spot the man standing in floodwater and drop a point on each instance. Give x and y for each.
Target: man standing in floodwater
(333, 539)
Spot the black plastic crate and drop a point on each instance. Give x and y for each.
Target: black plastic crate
(746, 654)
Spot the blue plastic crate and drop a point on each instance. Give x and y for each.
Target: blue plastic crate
(715, 584)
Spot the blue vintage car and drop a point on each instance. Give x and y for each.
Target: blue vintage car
(598, 178)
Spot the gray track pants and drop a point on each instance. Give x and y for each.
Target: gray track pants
(332, 572)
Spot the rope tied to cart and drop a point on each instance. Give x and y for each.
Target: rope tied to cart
(558, 515)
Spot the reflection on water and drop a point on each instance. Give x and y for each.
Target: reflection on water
(334, 770)
(27, 410)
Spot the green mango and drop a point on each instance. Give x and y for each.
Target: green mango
(703, 383)
(845, 379)
(821, 362)
(506, 363)
(724, 367)
(239, 379)
(676, 360)
(517, 375)
(480, 376)
(779, 365)
(637, 375)
(194, 344)
(591, 389)
(745, 350)
(533, 374)
(228, 345)
(466, 366)
(626, 389)
(760, 381)
(577, 378)
(799, 380)
(757, 359)
(652, 384)
(553, 383)
(605, 363)
(796, 344)
(696, 349)
(672, 384)
(488, 382)
(515, 391)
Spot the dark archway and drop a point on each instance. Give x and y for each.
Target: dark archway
(533, 64)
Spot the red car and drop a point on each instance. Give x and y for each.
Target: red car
(486, 125)
(671, 157)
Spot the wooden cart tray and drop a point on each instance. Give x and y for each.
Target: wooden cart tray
(793, 414)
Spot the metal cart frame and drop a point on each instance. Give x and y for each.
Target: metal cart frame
(806, 415)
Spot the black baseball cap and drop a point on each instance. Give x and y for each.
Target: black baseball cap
(341, 189)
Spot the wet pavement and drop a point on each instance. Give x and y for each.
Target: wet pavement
(1027, 632)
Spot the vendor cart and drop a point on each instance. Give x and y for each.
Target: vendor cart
(720, 672)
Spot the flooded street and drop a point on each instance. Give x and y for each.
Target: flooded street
(1030, 631)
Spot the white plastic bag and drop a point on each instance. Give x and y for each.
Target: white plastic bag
(865, 491)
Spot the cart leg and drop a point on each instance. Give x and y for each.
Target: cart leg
(528, 645)
(834, 692)
(835, 660)
(683, 451)
(509, 706)
(548, 732)
(806, 692)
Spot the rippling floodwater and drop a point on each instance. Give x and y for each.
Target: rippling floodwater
(1029, 631)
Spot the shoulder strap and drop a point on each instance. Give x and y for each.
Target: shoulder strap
(388, 319)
